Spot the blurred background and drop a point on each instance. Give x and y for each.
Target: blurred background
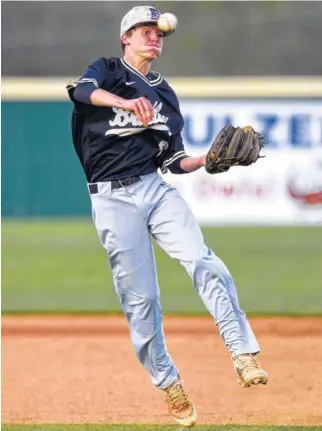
(252, 63)
(60, 38)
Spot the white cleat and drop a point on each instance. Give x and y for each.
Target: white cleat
(180, 408)
(249, 371)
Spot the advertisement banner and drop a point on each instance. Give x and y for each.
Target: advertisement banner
(284, 187)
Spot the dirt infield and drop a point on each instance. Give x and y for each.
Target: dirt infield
(83, 369)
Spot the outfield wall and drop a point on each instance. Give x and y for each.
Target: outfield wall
(41, 175)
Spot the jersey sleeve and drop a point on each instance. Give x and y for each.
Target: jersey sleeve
(101, 73)
(172, 157)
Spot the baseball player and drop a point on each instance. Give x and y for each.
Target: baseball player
(126, 125)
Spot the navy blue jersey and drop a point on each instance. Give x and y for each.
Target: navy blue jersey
(112, 143)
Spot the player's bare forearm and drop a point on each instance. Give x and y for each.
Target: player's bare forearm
(191, 164)
(141, 107)
(101, 97)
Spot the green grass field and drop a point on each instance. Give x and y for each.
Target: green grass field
(103, 427)
(60, 266)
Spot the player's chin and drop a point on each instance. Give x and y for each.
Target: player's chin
(153, 53)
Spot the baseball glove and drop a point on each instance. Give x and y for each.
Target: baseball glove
(233, 146)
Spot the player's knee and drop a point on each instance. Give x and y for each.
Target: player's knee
(143, 304)
(143, 314)
(206, 267)
(150, 298)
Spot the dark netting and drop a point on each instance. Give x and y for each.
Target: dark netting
(213, 38)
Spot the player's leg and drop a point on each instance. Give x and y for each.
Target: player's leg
(121, 222)
(124, 234)
(176, 230)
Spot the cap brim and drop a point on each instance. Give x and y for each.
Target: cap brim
(165, 33)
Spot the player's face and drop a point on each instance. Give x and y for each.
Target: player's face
(146, 41)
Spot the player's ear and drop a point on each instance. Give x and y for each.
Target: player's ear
(125, 37)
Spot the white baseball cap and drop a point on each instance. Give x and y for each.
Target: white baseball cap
(141, 15)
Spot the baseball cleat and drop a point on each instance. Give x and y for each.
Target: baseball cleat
(249, 371)
(180, 408)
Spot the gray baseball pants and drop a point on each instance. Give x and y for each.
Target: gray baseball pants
(125, 220)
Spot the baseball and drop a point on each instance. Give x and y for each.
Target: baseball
(167, 22)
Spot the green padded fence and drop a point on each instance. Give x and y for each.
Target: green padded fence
(41, 174)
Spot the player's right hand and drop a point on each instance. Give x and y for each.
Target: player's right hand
(142, 108)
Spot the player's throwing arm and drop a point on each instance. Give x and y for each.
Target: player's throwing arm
(142, 108)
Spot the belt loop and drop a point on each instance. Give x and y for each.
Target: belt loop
(93, 189)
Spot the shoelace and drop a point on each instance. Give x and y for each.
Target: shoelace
(178, 397)
(246, 362)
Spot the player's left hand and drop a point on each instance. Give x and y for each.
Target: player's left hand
(234, 146)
